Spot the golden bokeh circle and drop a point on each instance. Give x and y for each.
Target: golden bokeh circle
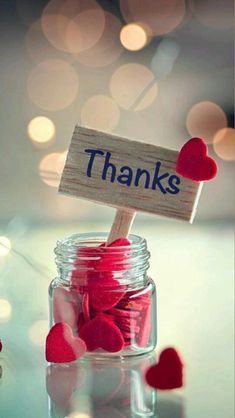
(204, 119)
(53, 84)
(224, 144)
(41, 129)
(100, 112)
(133, 37)
(133, 86)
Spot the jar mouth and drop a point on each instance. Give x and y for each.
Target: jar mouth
(94, 240)
(87, 252)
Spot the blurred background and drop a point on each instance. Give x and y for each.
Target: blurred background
(158, 71)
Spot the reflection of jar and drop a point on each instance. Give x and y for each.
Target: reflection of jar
(104, 294)
(98, 389)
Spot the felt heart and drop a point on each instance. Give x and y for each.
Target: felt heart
(101, 332)
(194, 163)
(62, 346)
(0, 346)
(104, 293)
(167, 374)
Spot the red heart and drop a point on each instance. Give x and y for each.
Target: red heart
(62, 346)
(194, 163)
(168, 372)
(101, 332)
(104, 293)
(0, 346)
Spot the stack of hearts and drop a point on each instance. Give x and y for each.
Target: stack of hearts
(97, 311)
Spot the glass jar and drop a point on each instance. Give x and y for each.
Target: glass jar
(104, 294)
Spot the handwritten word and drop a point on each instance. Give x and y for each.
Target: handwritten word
(128, 176)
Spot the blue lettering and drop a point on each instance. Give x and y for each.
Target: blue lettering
(157, 179)
(125, 178)
(173, 188)
(93, 153)
(108, 165)
(139, 173)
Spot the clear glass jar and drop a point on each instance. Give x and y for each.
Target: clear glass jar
(104, 294)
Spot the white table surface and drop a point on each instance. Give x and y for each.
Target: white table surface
(193, 267)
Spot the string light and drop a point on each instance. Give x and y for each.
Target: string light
(5, 246)
(41, 129)
(133, 37)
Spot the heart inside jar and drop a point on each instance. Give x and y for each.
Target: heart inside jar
(100, 305)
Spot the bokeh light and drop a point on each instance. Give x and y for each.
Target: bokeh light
(107, 49)
(160, 16)
(205, 119)
(5, 310)
(85, 30)
(100, 112)
(5, 246)
(54, 28)
(217, 14)
(41, 129)
(72, 26)
(224, 144)
(133, 86)
(69, 8)
(133, 37)
(50, 168)
(38, 332)
(79, 415)
(53, 84)
(40, 49)
(164, 58)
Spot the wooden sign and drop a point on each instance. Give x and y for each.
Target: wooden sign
(128, 175)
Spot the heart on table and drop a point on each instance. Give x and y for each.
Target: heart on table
(167, 374)
(101, 332)
(194, 163)
(62, 346)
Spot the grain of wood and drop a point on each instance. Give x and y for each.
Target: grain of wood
(125, 152)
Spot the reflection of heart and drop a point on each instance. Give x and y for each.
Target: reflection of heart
(194, 163)
(62, 346)
(61, 381)
(168, 372)
(101, 332)
(104, 293)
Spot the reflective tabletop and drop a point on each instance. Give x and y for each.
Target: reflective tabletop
(193, 270)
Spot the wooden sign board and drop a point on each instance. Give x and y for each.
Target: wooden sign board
(127, 174)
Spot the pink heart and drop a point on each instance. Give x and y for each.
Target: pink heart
(62, 346)
(194, 163)
(101, 332)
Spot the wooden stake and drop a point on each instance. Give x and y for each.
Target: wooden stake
(121, 225)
